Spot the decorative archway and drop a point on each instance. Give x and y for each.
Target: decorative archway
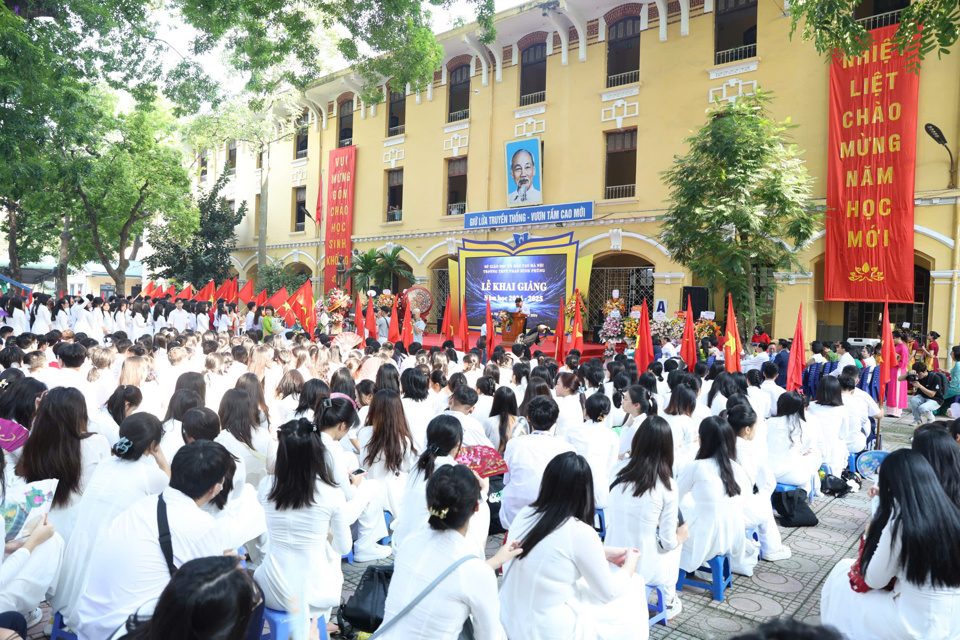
(629, 273)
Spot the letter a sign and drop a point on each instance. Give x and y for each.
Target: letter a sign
(660, 310)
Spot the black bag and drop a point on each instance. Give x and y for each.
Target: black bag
(831, 485)
(493, 501)
(364, 609)
(793, 508)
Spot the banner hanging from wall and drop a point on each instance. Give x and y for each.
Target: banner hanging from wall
(871, 169)
(339, 228)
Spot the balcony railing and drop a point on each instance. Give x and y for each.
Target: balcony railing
(396, 131)
(623, 78)
(394, 215)
(456, 208)
(301, 153)
(620, 191)
(300, 226)
(738, 53)
(457, 116)
(881, 20)
(533, 98)
(345, 142)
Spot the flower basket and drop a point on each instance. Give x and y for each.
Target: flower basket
(630, 327)
(569, 309)
(614, 304)
(706, 329)
(336, 303)
(504, 319)
(612, 329)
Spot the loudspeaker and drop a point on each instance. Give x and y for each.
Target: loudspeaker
(698, 300)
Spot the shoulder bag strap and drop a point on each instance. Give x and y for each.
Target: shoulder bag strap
(166, 542)
(423, 594)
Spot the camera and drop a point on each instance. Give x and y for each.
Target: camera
(912, 377)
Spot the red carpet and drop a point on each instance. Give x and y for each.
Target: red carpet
(548, 346)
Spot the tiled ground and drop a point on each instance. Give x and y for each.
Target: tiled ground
(789, 587)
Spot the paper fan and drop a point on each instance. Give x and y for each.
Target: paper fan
(484, 460)
(347, 340)
(868, 462)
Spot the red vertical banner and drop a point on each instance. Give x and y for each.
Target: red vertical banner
(340, 189)
(872, 152)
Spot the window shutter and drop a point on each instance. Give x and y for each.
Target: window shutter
(395, 178)
(457, 167)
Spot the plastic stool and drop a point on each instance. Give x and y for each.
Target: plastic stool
(753, 533)
(59, 633)
(852, 462)
(659, 609)
(387, 517)
(719, 567)
(602, 528)
(279, 625)
(243, 556)
(348, 557)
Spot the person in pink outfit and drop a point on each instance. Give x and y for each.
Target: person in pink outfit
(896, 390)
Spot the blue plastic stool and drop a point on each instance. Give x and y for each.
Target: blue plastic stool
(59, 633)
(279, 625)
(243, 556)
(852, 462)
(387, 517)
(659, 609)
(602, 528)
(348, 557)
(719, 567)
(785, 487)
(753, 533)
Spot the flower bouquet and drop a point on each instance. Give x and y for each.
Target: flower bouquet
(569, 309)
(706, 329)
(337, 305)
(670, 329)
(630, 327)
(385, 300)
(614, 304)
(612, 329)
(504, 319)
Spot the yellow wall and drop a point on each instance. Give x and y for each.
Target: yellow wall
(672, 97)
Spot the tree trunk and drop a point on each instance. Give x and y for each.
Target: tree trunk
(752, 295)
(262, 228)
(16, 272)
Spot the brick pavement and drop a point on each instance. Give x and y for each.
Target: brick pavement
(789, 587)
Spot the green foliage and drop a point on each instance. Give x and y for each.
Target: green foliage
(377, 268)
(205, 255)
(739, 191)
(277, 275)
(389, 265)
(832, 27)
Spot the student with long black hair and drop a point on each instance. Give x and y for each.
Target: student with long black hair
(714, 480)
(505, 421)
(638, 404)
(417, 408)
(934, 443)
(241, 435)
(792, 442)
(303, 504)
(542, 594)
(835, 423)
(598, 443)
(912, 541)
(643, 509)
(679, 415)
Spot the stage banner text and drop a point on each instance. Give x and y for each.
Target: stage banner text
(872, 147)
(340, 188)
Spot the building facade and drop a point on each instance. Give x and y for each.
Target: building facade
(610, 91)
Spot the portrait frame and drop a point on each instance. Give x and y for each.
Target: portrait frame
(534, 194)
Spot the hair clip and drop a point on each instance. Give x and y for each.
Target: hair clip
(123, 445)
(442, 513)
(434, 448)
(4, 383)
(326, 403)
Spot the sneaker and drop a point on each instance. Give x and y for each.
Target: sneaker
(34, 618)
(782, 553)
(376, 552)
(674, 607)
(915, 424)
(928, 417)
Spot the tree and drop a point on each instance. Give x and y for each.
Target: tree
(736, 196)
(205, 256)
(390, 267)
(276, 276)
(363, 270)
(832, 27)
(132, 182)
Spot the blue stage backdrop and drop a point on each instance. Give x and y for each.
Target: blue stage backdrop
(541, 280)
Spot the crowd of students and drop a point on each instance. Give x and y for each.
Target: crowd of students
(178, 445)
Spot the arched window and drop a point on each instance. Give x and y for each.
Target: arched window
(533, 74)
(345, 118)
(397, 117)
(459, 91)
(623, 52)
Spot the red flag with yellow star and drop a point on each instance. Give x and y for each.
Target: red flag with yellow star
(301, 304)
(643, 351)
(447, 331)
(576, 329)
(688, 346)
(561, 334)
(732, 347)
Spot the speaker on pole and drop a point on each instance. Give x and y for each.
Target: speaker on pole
(698, 300)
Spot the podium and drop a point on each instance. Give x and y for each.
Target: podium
(509, 336)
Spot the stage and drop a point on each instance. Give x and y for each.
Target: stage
(548, 345)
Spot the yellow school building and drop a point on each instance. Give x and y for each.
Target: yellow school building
(610, 91)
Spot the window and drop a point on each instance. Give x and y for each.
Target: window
(456, 186)
(533, 74)
(397, 116)
(621, 179)
(873, 14)
(300, 209)
(302, 136)
(203, 165)
(231, 157)
(623, 52)
(395, 195)
(345, 124)
(256, 216)
(459, 90)
(260, 158)
(736, 30)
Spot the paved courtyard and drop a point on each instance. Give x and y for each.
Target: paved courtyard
(789, 587)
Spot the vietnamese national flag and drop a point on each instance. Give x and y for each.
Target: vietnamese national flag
(688, 346)
(371, 318)
(358, 316)
(464, 328)
(223, 292)
(393, 334)
(888, 354)
(206, 292)
(148, 290)
(246, 293)
(187, 292)
(30, 297)
(797, 356)
(732, 347)
(643, 352)
(561, 335)
(490, 330)
(447, 329)
(406, 335)
(301, 304)
(277, 300)
(261, 298)
(576, 329)
(171, 291)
